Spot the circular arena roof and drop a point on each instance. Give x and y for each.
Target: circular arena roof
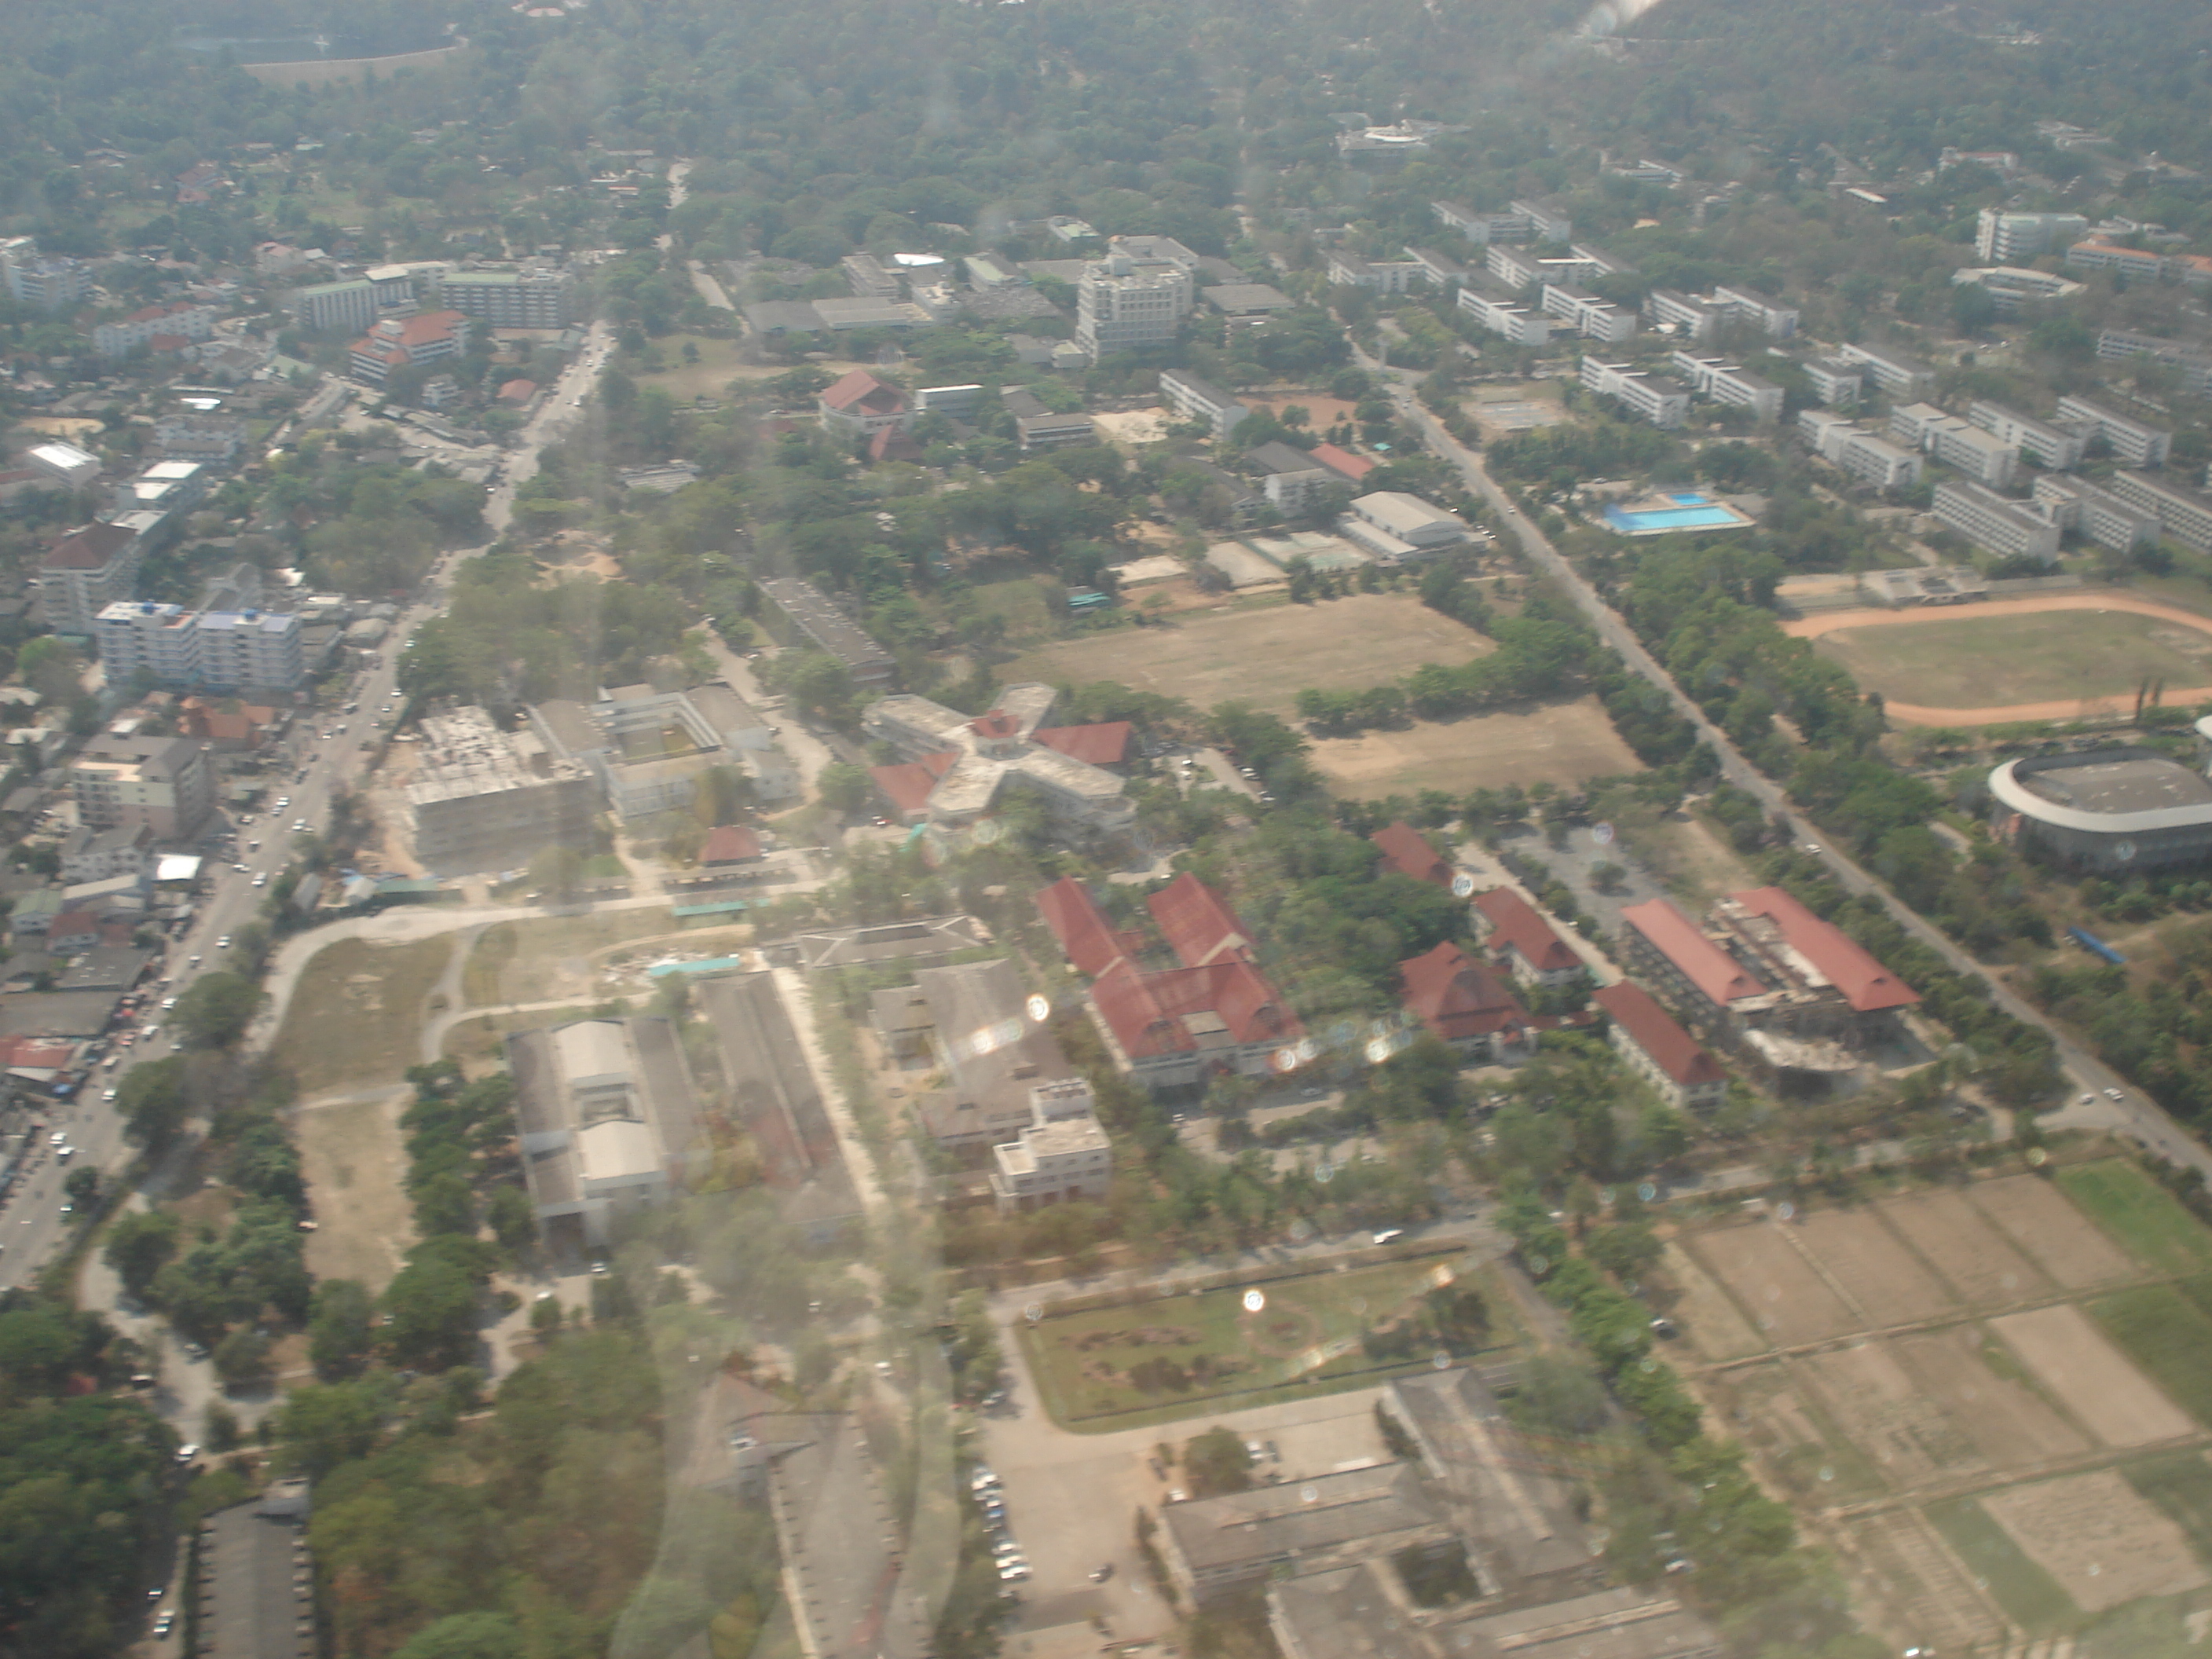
(2110, 793)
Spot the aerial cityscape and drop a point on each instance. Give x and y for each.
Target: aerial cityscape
(1014, 830)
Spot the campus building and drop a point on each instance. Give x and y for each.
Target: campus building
(1726, 384)
(2182, 513)
(1845, 445)
(1464, 1001)
(2007, 528)
(2111, 812)
(1896, 373)
(1194, 399)
(85, 571)
(2097, 514)
(1588, 315)
(2118, 345)
(1515, 935)
(1654, 398)
(1503, 313)
(607, 1120)
(1136, 296)
(396, 343)
(1660, 1051)
(2014, 239)
(2053, 448)
(1836, 381)
(859, 405)
(967, 762)
(2132, 442)
(649, 749)
(481, 799)
(805, 611)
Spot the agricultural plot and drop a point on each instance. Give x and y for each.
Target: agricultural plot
(2099, 1539)
(2145, 1219)
(2037, 1218)
(1779, 1290)
(1976, 1260)
(1873, 1269)
(1181, 1353)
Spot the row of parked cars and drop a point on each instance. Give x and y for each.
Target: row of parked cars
(991, 1498)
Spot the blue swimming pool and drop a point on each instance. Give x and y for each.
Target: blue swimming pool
(1702, 516)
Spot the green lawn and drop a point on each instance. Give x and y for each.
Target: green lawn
(1176, 1355)
(2181, 1484)
(2169, 1336)
(2029, 1595)
(2146, 1220)
(1987, 661)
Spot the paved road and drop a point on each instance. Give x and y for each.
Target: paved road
(2131, 1114)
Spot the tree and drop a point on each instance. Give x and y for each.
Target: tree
(138, 1245)
(467, 1636)
(1217, 1463)
(215, 1012)
(512, 1217)
(152, 1101)
(432, 1304)
(242, 1357)
(844, 788)
(321, 1427)
(339, 1339)
(557, 873)
(82, 1186)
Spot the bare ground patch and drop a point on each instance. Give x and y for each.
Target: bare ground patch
(354, 1158)
(2044, 1223)
(1966, 1248)
(1563, 743)
(2008, 1421)
(1878, 1272)
(1712, 1324)
(1913, 1574)
(1785, 1297)
(2102, 1541)
(2091, 1378)
(1886, 1413)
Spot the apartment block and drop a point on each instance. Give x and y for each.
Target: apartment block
(1194, 399)
(1547, 221)
(210, 440)
(325, 305)
(1692, 319)
(1503, 313)
(1982, 456)
(2007, 528)
(42, 282)
(179, 320)
(2050, 447)
(2097, 514)
(1588, 315)
(1653, 398)
(85, 571)
(1379, 275)
(1748, 305)
(2182, 513)
(165, 784)
(1849, 447)
(1483, 228)
(866, 276)
(1727, 384)
(2098, 254)
(530, 298)
(2118, 345)
(396, 343)
(1516, 268)
(200, 650)
(1896, 373)
(2131, 441)
(2006, 239)
(1836, 381)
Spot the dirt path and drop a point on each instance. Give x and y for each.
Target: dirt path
(2067, 708)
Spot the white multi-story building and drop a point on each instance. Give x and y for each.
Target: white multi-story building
(397, 343)
(85, 571)
(2131, 441)
(1588, 315)
(1517, 268)
(1851, 449)
(1060, 1155)
(1398, 527)
(2182, 513)
(1896, 373)
(1194, 399)
(1689, 317)
(2008, 528)
(2009, 239)
(42, 282)
(1983, 456)
(2099, 515)
(2118, 345)
(1382, 275)
(1547, 221)
(323, 306)
(1502, 313)
(1727, 384)
(1749, 306)
(125, 335)
(2098, 254)
(1136, 295)
(1835, 381)
(1652, 397)
(2050, 447)
(534, 297)
(166, 784)
(211, 650)
(211, 440)
(1482, 228)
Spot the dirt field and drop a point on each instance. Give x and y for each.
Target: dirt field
(1709, 1320)
(1564, 742)
(1783, 1295)
(1883, 1409)
(353, 1155)
(2090, 1378)
(1263, 656)
(1878, 1272)
(2101, 1540)
(2009, 1423)
(1959, 1243)
(1803, 1449)
(2038, 1217)
(1928, 1594)
(2056, 656)
(356, 1015)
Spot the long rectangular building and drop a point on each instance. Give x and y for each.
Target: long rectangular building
(2097, 513)
(1988, 519)
(1653, 398)
(2183, 514)
(828, 629)
(1503, 313)
(2050, 447)
(2133, 442)
(1589, 316)
(2118, 345)
(1897, 372)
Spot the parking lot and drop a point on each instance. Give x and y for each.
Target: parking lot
(1072, 1499)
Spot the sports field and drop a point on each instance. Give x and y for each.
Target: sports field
(1264, 657)
(1177, 1354)
(2053, 656)
(1560, 743)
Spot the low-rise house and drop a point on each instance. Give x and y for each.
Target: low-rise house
(1464, 1001)
(1514, 933)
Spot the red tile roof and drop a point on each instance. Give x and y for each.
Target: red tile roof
(1105, 745)
(1653, 1029)
(730, 843)
(38, 1053)
(861, 392)
(518, 392)
(1199, 928)
(1091, 942)
(1866, 984)
(893, 445)
(996, 724)
(1406, 850)
(1458, 996)
(89, 548)
(1346, 465)
(1514, 921)
(1150, 1013)
(907, 787)
(1703, 962)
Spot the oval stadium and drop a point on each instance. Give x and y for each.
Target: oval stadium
(2106, 809)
